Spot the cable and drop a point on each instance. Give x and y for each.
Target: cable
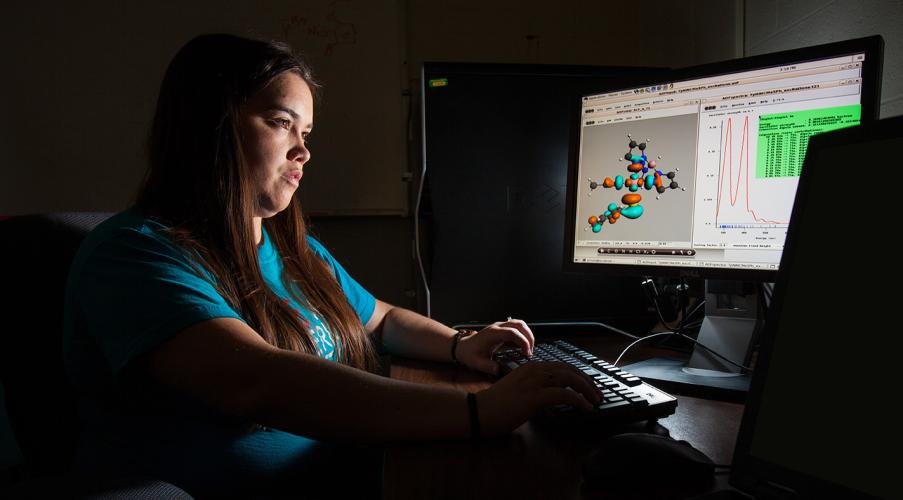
(574, 323)
(738, 365)
(652, 295)
(682, 325)
(648, 286)
(426, 286)
(683, 336)
(637, 341)
(696, 308)
(768, 288)
(682, 299)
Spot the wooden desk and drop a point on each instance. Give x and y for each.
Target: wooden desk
(534, 461)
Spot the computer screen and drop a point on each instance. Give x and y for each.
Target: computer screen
(696, 175)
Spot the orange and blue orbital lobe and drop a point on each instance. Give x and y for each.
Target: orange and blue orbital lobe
(632, 183)
(631, 199)
(614, 212)
(633, 212)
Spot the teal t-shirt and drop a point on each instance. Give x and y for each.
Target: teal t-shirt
(129, 290)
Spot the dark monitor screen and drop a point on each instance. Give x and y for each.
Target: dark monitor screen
(491, 215)
(812, 427)
(696, 175)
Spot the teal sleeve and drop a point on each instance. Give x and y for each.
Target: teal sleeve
(362, 301)
(137, 290)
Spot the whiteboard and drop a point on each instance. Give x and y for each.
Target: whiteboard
(81, 80)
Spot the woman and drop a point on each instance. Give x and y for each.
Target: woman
(207, 332)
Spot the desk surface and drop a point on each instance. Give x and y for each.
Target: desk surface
(534, 461)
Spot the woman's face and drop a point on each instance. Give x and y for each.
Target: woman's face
(274, 126)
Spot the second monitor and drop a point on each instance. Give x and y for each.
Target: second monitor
(696, 177)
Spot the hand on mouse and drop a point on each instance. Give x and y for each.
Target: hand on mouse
(529, 388)
(476, 351)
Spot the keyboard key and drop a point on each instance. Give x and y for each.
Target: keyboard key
(615, 404)
(632, 381)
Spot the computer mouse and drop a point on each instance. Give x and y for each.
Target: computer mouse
(649, 464)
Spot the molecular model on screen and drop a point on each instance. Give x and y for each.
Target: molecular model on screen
(644, 173)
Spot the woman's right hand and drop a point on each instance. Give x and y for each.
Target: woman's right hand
(520, 394)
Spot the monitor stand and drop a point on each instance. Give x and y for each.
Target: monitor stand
(731, 321)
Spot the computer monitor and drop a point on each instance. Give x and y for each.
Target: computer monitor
(490, 215)
(806, 431)
(695, 176)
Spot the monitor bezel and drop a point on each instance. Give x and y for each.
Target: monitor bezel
(748, 472)
(872, 46)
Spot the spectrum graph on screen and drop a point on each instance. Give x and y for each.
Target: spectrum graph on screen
(712, 163)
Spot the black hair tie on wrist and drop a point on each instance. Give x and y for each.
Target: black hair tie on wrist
(454, 347)
(475, 433)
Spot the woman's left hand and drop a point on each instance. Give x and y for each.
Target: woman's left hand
(475, 351)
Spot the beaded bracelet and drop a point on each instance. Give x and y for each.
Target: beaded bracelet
(454, 347)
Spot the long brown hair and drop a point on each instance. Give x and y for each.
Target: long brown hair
(198, 183)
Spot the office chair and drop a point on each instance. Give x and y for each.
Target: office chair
(35, 254)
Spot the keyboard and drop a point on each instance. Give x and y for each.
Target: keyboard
(625, 397)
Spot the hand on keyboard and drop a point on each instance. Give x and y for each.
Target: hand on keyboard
(476, 351)
(524, 392)
(625, 396)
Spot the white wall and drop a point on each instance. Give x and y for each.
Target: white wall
(774, 25)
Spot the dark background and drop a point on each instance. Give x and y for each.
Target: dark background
(89, 71)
